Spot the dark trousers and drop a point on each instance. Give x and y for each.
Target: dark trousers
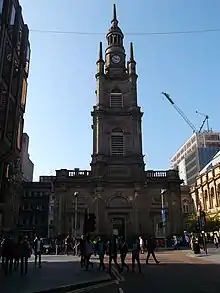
(151, 252)
(136, 258)
(123, 263)
(8, 265)
(16, 263)
(88, 262)
(82, 260)
(101, 262)
(113, 257)
(37, 256)
(24, 265)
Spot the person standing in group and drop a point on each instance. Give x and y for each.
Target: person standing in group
(141, 244)
(101, 253)
(113, 252)
(25, 251)
(82, 249)
(8, 255)
(215, 240)
(88, 253)
(123, 254)
(136, 255)
(151, 246)
(38, 247)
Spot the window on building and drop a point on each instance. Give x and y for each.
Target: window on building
(205, 200)
(186, 208)
(212, 195)
(28, 55)
(24, 93)
(12, 17)
(116, 100)
(117, 142)
(19, 135)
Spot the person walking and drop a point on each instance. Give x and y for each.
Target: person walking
(136, 255)
(82, 249)
(38, 247)
(215, 240)
(151, 246)
(8, 254)
(101, 253)
(123, 254)
(113, 252)
(25, 252)
(88, 253)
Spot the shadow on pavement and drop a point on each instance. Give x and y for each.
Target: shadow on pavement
(65, 275)
(181, 277)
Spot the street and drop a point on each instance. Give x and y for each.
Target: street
(179, 270)
(176, 271)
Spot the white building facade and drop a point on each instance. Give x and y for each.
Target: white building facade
(196, 152)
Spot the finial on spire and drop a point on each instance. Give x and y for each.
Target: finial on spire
(131, 52)
(114, 20)
(100, 51)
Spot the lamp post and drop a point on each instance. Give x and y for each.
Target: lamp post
(76, 194)
(163, 214)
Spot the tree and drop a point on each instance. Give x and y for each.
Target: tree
(212, 223)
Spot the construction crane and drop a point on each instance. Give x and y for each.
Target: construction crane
(206, 120)
(180, 112)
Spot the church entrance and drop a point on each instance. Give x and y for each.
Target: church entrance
(118, 226)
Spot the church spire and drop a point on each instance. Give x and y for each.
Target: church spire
(100, 62)
(114, 20)
(131, 63)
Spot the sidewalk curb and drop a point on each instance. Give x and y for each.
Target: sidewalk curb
(81, 285)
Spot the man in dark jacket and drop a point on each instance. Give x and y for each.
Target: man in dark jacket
(113, 250)
(136, 255)
(151, 246)
(25, 253)
(8, 247)
(123, 254)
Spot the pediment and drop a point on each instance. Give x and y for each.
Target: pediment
(117, 201)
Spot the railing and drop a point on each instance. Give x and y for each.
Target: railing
(150, 174)
(72, 173)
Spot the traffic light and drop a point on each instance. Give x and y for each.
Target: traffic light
(91, 224)
(198, 226)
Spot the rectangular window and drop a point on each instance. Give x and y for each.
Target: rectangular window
(28, 55)
(1, 6)
(24, 93)
(13, 13)
(117, 145)
(19, 136)
(116, 100)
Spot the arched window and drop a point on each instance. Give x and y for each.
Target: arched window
(212, 195)
(186, 208)
(117, 142)
(205, 200)
(116, 99)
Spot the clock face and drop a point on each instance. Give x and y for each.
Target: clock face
(116, 59)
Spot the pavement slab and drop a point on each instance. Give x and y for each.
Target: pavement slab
(56, 271)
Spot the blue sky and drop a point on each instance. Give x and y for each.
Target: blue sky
(61, 89)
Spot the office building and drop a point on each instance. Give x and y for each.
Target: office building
(196, 152)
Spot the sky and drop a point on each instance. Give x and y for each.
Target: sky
(61, 91)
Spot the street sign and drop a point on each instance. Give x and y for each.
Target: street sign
(163, 214)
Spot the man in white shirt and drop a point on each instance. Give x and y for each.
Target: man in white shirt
(37, 250)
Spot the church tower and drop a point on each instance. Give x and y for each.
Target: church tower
(117, 135)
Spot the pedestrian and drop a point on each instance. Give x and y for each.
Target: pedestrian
(151, 246)
(215, 240)
(8, 254)
(82, 249)
(101, 253)
(123, 254)
(136, 255)
(141, 244)
(16, 254)
(25, 253)
(38, 247)
(88, 253)
(113, 251)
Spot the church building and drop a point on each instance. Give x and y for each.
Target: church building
(125, 197)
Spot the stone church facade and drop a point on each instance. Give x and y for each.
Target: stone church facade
(124, 196)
